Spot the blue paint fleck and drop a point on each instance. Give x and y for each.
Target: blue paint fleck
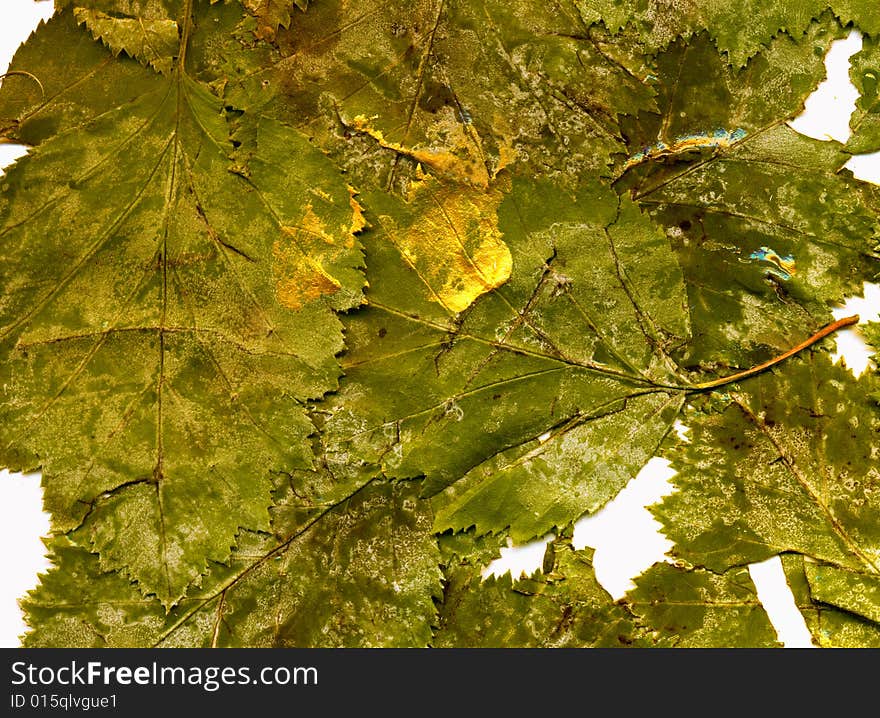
(784, 266)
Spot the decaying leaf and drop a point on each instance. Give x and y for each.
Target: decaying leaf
(373, 550)
(153, 42)
(698, 609)
(449, 236)
(162, 321)
(306, 308)
(563, 606)
(788, 462)
(768, 231)
(476, 85)
(830, 627)
(740, 30)
(865, 76)
(548, 394)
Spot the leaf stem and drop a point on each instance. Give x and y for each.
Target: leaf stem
(25, 73)
(185, 30)
(821, 334)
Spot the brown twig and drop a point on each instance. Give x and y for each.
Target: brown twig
(821, 334)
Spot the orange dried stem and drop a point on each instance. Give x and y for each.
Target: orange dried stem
(821, 334)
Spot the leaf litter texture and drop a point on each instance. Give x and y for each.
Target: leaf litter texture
(738, 30)
(391, 97)
(547, 395)
(188, 295)
(784, 232)
(362, 572)
(786, 463)
(463, 88)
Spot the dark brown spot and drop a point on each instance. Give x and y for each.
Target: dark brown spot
(435, 97)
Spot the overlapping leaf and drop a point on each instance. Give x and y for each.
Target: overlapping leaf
(865, 120)
(788, 463)
(61, 78)
(362, 571)
(829, 626)
(739, 30)
(466, 88)
(548, 394)
(154, 42)
(163, 319)
(768, 230)
(176, 247)
(698, 609)
(563, 606)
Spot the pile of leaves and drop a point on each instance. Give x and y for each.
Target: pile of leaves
(306, 309)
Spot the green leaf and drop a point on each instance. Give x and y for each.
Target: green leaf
(699, 609)
(829, 626)
(562, 607)
(61, 78)
(871, 334)
(850, 591)
(787, 464)
(547, 395)
(550, 206)
(740, 30)
(864, 122)
(272, 14)
(152, 42)
(363, 572)
(768, 230)
(163, 319)
(402, 74)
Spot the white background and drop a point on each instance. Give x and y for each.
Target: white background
(625, 536)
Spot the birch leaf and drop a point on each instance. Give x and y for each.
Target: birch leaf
(377, 590)
(272, 14)
(547, 395)
(768, 230)
(61, 78)
(563, 606)
(740, 30)
(864, 74)
(458, 84)
(829, 626)
(163, 319)
(152, 42)
(788, 464)
(700, 609)
(856, 593)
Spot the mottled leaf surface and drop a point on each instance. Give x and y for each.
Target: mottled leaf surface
(684, 608)
(848, 590)
(152, 42)
(465, 87)
(864, 73)
(61, 78)
(547, 395)
(162, 320)
(829, 626)
(361, 572)
(739, 30)
(787, 463)
(767, 228)
(306, 309)
(562, 606)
